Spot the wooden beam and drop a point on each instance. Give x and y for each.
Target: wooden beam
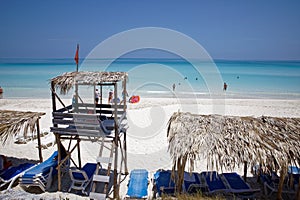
(39, 140)
(116, 187)
(125, 108)
(68, 156)
(298, 190)
(53, 96)
(58, 160)
(78, 148)
(125, 155)
(283, 172)
(245, 171)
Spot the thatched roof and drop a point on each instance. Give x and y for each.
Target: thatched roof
(67, 80)
(227, 141)
(13, 122)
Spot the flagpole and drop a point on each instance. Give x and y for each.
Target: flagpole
(76, 58)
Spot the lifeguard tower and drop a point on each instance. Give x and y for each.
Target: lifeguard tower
(99, 121)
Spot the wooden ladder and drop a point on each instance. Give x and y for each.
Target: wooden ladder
(102, 178)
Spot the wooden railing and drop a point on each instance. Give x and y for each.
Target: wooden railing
(86, 119)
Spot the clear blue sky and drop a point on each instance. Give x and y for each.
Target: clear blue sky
(227, 29)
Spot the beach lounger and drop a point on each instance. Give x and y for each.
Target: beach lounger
(293, 170)
(138, 184)
(10, 175)
(107, 125)
(192, 183)
(213, 183)
(163, 183)
(271, 187)
(237, 186)
(40, 175)
(294, 176)
(82, 178)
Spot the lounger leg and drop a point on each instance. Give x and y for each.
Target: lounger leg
(49, 181)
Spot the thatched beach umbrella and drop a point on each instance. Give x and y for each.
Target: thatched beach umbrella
(227, 141)
(15, 122)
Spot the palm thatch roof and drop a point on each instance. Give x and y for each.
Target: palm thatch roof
(67, 80)
(14, 122)
(228, 141)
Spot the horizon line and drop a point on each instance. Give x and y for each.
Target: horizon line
(152, 58)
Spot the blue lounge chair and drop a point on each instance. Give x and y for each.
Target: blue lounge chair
(213, 183)
(10, 175)
(293, 170)
(271, 186)
(294, 173)
(40, 175)
(237, 186)
(192, 183)
(82, 178)
(163, 182)
(138, 184)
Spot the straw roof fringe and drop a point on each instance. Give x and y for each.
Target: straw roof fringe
(228, 141)
(13, 122)
(66, 81)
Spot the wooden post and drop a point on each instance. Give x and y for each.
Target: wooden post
(245, 171)
(125, 155)
(58, 161)
(56, 135)
(125, 108)
(181, 162)
(78, 148)
(281, 181)
(53, 96)
(116, 186)
(101, 94)
(298, 190)
(76, 99)
(125, 94)
(39, 140)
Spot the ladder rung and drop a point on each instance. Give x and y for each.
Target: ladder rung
(97, 196)
(101, 178)
(104, 159)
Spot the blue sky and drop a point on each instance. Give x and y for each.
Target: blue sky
(228, 29)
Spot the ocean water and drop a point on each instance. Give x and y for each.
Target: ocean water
(30, 78)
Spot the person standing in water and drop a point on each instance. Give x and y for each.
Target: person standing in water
(224, 87)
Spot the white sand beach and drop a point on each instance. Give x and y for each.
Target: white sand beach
(147, 134)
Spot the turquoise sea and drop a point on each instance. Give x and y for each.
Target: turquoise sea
(29, 78)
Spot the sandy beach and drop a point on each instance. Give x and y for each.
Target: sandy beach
(146, 136)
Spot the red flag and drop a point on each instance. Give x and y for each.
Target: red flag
(76, 58)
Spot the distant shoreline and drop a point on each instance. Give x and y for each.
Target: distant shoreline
(187, 95)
